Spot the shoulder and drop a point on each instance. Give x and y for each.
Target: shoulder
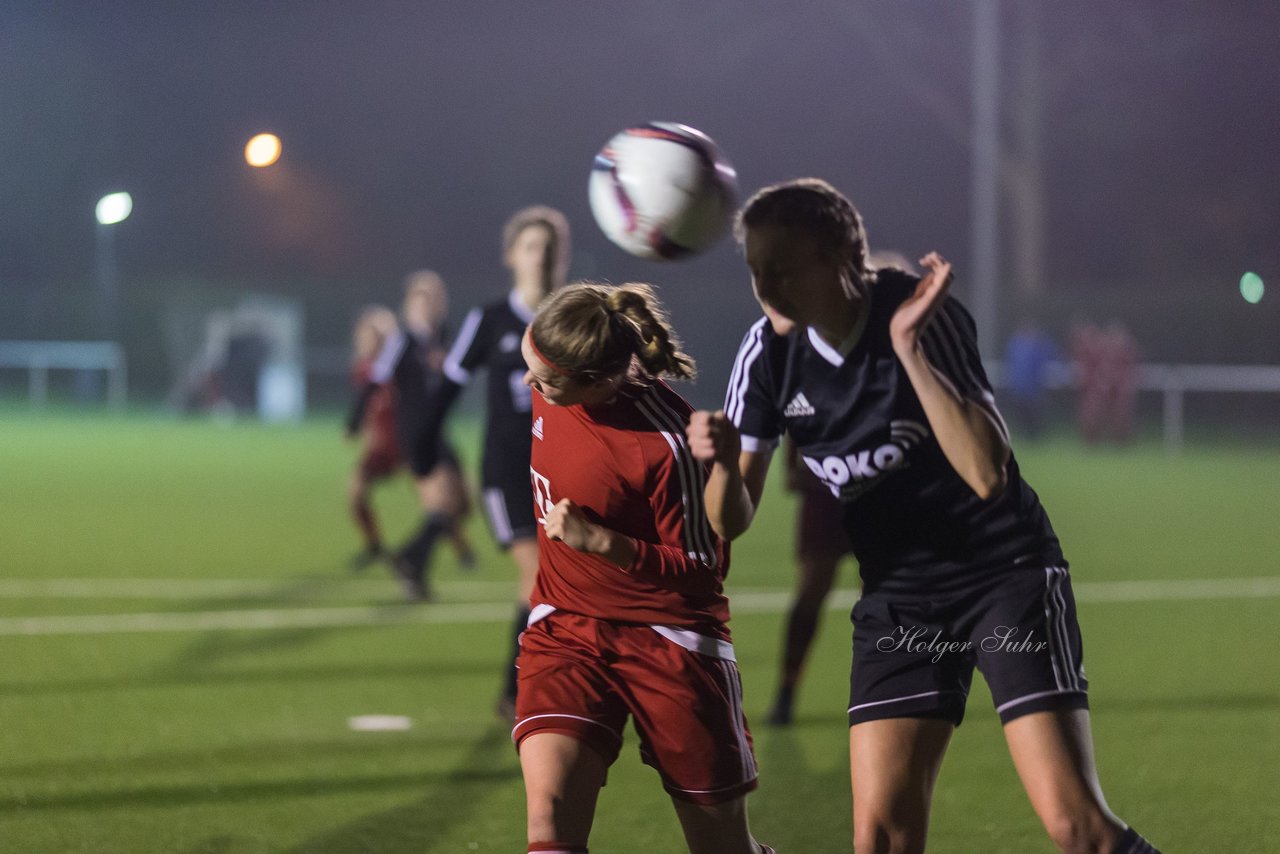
(891, 286)
(761, 344)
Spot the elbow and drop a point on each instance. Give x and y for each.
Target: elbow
(989, 483)
(728, 528)
(723, 531)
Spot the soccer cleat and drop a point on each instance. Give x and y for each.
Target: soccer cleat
(412, 580)
(367, 558)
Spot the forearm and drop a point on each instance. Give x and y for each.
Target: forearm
(728, 502)
(669, 566)
(355, 415)
(967, 432)
(614, 547)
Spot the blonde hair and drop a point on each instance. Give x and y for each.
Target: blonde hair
(373, 326)
(556, 224)
(590, 331)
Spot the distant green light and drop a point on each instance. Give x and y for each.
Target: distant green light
(1251, 288)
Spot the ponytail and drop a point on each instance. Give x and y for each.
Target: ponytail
(658, 348)
(589, 331)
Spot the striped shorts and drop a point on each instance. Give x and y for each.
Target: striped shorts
(913, 656)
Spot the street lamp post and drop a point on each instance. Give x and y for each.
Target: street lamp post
(112, 209)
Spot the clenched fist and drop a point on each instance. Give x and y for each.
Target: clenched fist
(713, 438)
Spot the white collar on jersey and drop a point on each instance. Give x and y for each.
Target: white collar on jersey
(836, 355)
(521, 310)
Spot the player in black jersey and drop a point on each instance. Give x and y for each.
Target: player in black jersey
(535, 247)
(876, 376)
(410, 364)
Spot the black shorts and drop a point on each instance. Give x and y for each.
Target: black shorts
(913, 657)
(509, 509)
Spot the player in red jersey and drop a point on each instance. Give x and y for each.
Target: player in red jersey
(629, 614)
(379, 454)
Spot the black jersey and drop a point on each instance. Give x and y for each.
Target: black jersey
(915, 525)
(411, 362)
(490, 338)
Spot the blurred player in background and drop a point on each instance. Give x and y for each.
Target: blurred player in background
(629, 613)
(820, 545)
(535, 248)
(376, 427)
(876, 376)
(409, 366)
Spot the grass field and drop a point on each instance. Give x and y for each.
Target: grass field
(181, 647)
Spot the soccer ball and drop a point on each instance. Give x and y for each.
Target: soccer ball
(662, 191)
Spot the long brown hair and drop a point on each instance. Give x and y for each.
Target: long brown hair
(590, 331)
(556, 224)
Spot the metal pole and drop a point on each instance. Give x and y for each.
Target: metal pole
(105, 273)
(984, 175)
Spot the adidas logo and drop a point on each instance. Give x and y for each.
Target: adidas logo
(798, 407)
(537, 427)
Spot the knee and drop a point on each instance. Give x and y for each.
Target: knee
(545, 820)
(887, 837)
(1085, 833)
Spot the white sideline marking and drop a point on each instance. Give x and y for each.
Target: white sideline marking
(380, 723)
(743, 602)
(222, 588)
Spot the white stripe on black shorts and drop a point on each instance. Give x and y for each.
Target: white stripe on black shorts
(913, 656)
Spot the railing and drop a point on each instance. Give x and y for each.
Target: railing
(1173, 382)
(40, 357)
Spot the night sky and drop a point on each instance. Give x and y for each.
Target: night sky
(412, 130)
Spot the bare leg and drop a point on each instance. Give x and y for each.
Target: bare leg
(894, 764)
(525, 553)
(716, 829)
(817, 572)
(362, 511)
(562, 780)
(1053, 752)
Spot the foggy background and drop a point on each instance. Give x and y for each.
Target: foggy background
(1138, 155)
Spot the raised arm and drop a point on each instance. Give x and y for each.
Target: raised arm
(970, 431)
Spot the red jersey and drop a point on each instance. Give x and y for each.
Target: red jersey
(378, 424)
(627, 465)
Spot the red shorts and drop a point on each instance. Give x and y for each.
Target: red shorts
(580, 676)
(820, 526)
(379, 461)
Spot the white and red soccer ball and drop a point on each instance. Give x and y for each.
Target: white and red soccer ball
(662, 191)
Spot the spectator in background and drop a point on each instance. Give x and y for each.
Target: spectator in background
(1088, 357)
(1120, 388)
(1027, 357)
(1106, 363)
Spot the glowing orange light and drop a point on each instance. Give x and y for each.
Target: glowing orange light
(262, 150)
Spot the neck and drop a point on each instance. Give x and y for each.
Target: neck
(841, 320)
(531, 291)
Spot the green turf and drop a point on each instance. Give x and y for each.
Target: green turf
(237, 740)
